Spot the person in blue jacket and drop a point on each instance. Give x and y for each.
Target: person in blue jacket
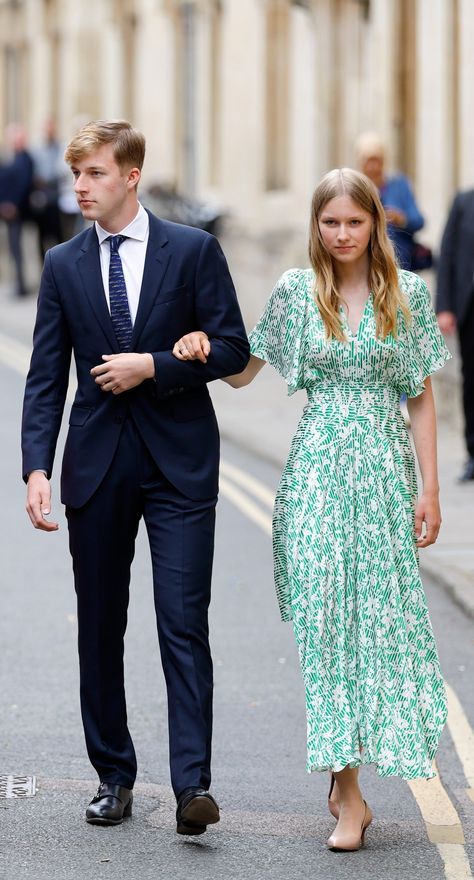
(403, 215)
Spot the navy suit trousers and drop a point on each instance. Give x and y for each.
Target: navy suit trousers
(466, 345)
(102, 540)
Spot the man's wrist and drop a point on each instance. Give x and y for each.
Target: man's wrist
(36, 471)
(149, 365)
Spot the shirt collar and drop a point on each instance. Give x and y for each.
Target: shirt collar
(137, 229)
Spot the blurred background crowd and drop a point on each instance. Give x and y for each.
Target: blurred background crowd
(245, 104)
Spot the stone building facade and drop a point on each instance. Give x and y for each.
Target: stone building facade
(249, 101)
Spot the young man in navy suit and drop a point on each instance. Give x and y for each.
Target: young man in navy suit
(142, 442)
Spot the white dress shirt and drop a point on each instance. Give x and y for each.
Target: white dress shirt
(132, 253)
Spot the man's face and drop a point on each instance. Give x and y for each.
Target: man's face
(103, 190)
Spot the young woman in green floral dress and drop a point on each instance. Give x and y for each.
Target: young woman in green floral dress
(355, 332)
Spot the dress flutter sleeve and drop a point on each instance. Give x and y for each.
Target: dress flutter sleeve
(426, 349)
(278, 337)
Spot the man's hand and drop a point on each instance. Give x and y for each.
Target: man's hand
(447, 322)
(120, 372)
(193, 347)
(397, 217)
(38, 502)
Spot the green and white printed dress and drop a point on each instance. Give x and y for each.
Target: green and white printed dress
(346, 564)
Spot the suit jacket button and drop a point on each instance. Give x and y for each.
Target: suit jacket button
(118, 420)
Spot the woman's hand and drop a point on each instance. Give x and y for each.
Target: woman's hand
(427, 511)
(192, 347)
(423, 427)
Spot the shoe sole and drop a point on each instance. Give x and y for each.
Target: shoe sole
(190, 829)
(197, 815)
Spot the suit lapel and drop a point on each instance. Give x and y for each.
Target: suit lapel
(88, 264)
(156, 264)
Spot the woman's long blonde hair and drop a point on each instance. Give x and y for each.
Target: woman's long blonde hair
(383, 270)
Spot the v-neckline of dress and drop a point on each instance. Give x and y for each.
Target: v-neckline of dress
(345, 322)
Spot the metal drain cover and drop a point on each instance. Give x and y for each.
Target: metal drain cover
(17, 786)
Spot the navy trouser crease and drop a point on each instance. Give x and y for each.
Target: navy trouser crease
(102, 537)
(466, 344)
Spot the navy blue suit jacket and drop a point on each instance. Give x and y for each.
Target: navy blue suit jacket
(455, 288)
(186, 286)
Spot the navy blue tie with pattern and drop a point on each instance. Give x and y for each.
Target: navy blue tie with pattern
(119, 308)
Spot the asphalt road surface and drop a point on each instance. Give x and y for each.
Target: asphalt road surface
(274, 817)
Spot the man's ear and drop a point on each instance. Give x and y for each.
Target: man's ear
(133, 178)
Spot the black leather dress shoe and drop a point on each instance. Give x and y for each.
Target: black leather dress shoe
(196, 810)
(110, 806)
(468, 472)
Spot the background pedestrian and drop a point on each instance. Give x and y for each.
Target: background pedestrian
(16, 178)
(45, 193)
(401, 210)
(455, 304)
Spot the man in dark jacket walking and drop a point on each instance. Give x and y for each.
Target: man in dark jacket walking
(455, 303)
(16, 178)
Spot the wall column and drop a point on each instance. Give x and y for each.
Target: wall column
(243, 108)
(434, 153)
(465, 65)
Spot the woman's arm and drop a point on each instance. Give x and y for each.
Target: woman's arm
(423, 424)
(253, 367)
(196, 346)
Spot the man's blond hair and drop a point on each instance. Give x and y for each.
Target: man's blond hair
(128, 143)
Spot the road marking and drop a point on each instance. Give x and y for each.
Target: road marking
(456, 862)
(462, 735)
(442, 822)
(15, 354)
(256, 488)
(246, 506)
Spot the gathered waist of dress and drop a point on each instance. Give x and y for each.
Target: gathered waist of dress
(354, 401)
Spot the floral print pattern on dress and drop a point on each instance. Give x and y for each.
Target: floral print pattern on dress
(346, 563)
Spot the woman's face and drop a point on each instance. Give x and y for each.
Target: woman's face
(345, 229)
